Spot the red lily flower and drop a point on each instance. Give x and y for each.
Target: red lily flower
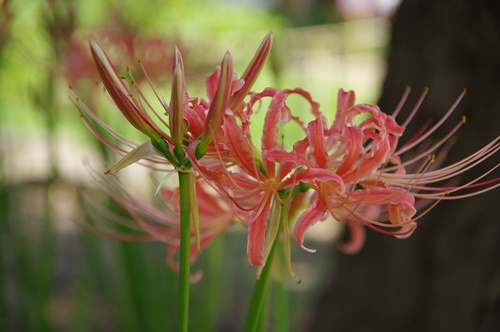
(261, 180)
(375, 180)
(355, 167)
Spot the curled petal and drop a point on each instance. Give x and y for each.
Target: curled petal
(354, 146)
(402, 209)
(406, 230)
(357, 240)
(270, 132)
(369, 163)
(241, 148)
(307, 96)
(308, 218)
(257, 233)
(316, 138)
(345, 101)
(284, 157)
(314, 174)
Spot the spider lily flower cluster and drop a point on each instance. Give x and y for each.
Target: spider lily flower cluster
(352, 168)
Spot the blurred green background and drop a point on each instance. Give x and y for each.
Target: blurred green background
(57, 277)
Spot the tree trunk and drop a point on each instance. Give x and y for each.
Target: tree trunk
(446, 276)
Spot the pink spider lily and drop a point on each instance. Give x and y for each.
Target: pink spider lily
(259, 181)
(376, 189)
(354, 169)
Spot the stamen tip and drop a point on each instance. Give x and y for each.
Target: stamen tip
(297, 280)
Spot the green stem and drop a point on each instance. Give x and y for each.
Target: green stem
(213, 277)
(261, 287)
(282, 322)
(184, 253)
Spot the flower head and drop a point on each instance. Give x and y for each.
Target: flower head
(380, 189)
(354, 169)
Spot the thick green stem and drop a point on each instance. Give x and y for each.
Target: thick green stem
(281, 319)
(261, 288)
(184, 253)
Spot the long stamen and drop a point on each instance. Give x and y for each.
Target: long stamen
(435, 127)
(401, 102)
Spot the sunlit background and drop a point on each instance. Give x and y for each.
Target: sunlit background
(57, 277)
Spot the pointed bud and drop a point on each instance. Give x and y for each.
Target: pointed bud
(252, 72)
(122, 96)
(106, 69)
(218, 107)
(176, 120)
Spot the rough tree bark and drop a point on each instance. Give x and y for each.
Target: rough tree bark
(446, 277)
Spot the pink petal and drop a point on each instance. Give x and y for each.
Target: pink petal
(270, 130)
(211, 83)
(257, 232)
(313, 174)
(316, 137)
(354, 145)
(345, 101)
(240, 147)
(369, 163)
(308, 218)
(314, 105)
(357, 240)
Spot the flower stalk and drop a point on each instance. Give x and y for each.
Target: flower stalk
(254, 313)
(184, 252)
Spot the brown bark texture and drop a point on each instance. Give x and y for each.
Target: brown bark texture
(446, 276)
